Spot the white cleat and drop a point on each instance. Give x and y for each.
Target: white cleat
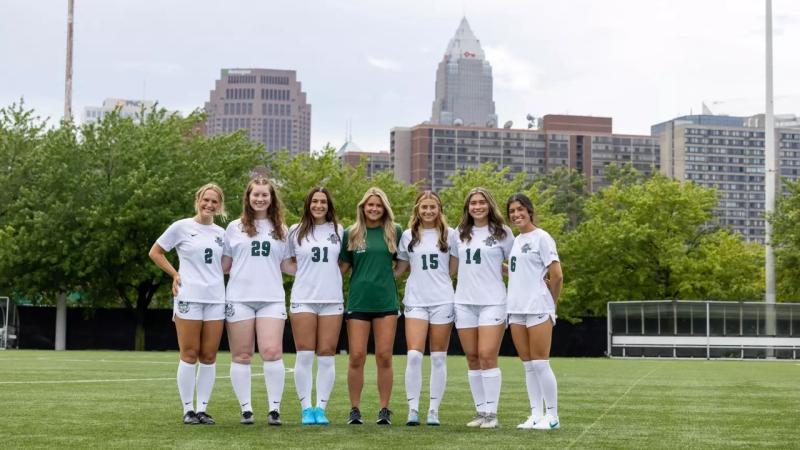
(529, 423)
(490, 421)
(479, 419)
(548, 422)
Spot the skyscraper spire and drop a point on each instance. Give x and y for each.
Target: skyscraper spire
(464, 83)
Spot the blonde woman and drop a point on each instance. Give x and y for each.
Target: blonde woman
(430, 248)
(199, 297)
(369, 248)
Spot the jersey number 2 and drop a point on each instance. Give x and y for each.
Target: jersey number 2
(208, 254)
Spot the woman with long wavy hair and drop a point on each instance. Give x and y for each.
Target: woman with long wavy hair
(430, 248)
(369, 248)
(317, 302)
(255, 254)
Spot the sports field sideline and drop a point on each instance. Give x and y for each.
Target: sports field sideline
(126, 399)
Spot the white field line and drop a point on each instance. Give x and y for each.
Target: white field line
(613, 405)
(129, 361)
(115, 380)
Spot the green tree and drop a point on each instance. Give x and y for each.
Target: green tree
(569, 192)
(653, 240)
(786, 239)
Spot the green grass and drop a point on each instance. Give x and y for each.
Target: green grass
(69, 399)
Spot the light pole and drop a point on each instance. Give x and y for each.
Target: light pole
(68, 75)
(530, 120)
(770, 172)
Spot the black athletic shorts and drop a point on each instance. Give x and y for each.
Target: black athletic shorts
(368, 316)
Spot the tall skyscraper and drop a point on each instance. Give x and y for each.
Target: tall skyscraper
(269, 103)
(464, 83)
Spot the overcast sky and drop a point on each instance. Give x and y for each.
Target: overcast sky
(374, 62)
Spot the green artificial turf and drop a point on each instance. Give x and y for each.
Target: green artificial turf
(75, 399)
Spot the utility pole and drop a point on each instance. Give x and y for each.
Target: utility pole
(68, 77)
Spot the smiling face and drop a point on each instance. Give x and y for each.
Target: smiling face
(373, 211)
(319, 207)
(428, 212)
(260, 199)
(208, 205)
(520, 216)
(478, 208)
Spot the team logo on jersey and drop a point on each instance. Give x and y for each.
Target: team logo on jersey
(333, 238)
(409, 309)
(219, 242)
(526, 248)
(490, 241)
(230, 310)
(183, 307)
(274, 235)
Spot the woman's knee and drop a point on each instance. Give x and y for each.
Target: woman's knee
(383, 359)
(271, 353)
(357, 359)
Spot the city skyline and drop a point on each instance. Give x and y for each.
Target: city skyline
(641, 63)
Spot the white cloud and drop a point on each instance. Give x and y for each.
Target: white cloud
(384, 64)
(511, 71)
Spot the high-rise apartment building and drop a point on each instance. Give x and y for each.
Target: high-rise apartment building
(270, 104)
(127, 108)
(430, 154)
(727, 153)
(464, 83)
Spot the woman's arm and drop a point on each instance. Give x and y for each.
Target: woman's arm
(453, 265)
(401, 267)
(227, 262)
(556, 280)
(159, 256)
(289, 266)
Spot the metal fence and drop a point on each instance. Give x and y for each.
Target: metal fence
(703, 329)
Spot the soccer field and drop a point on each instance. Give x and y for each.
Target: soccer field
(126, 399)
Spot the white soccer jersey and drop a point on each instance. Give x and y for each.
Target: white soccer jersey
(480, 268)
(318, 279)
(429, 283)
(530, 257)
(199, 250)
(256, 272)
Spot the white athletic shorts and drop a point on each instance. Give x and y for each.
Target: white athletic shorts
(237, 311)
(435, 315)
(472, 316)
(197, 311)
(320, 309)
(530, 320)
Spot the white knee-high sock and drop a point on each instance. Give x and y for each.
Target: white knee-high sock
(206, 375)
(186, 382)
(413, 378)
(274, 378)
(534, 391)
(240, 379)
(326, 376)
(438, 378)
(547, 382)
(302, 377)
(476, 387)
(492, 379)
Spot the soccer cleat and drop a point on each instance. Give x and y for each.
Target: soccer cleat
(433, 418)
(307, 417)
(319, 416)
(490, 421)
(548, 422)
(247, 418)
(413, 418)
(384, 417)
(274, 418)
(355, 417)
(478, 420)
(190, 418)
(529, 423)
(205, 419)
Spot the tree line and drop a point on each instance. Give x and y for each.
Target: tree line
(80, 206)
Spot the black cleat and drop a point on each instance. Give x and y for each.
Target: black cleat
(190, 418)
(274, 418)
(384, 417)
(247, 418)
(355, 417)
(205, 419)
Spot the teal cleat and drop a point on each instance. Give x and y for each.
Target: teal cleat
(308, 417)
(319, 416)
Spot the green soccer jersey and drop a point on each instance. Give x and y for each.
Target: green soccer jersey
(372, 286)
